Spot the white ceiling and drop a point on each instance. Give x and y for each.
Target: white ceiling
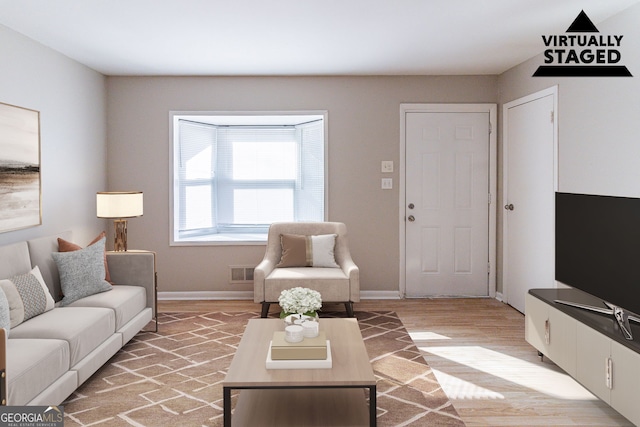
(299, 37)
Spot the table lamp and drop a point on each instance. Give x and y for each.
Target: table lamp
(119, 205)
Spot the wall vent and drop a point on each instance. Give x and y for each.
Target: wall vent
(240, 274)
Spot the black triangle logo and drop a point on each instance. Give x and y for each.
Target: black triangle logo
(582, 24)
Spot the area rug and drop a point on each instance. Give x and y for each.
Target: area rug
(174, 377)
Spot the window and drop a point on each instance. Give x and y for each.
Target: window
(233, 175)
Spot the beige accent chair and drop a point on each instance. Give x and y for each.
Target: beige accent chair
(340, 285)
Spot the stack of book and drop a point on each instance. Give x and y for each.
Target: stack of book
(310, 353)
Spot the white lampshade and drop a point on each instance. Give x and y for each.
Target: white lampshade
(119, 204)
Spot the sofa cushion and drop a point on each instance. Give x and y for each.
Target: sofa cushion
(308, 251)
(67, 246)
(82, 272)
(84, 328)
(14, 259)
(33, 365)
(125, 301)
(40, 251)
(332, 283)
(27, 296)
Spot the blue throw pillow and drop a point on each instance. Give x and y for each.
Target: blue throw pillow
(82, 272)
(5, 320)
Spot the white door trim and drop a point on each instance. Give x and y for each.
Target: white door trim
(493, 174)
(553, 90)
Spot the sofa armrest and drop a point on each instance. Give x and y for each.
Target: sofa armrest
(261, 271)
(352, 271)
(135, 268)
(3, 367)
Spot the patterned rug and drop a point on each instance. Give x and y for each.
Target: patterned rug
(173, 377)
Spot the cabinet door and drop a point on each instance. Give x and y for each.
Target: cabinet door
(536, 326)
(562, 349)
(551, 332)
(594, 351)
(626, 382)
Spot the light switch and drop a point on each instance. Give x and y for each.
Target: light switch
(387, 183)
(387, 166)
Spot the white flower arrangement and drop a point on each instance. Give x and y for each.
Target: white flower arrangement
(302, 301)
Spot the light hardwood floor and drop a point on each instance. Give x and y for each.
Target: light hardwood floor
(477, 349)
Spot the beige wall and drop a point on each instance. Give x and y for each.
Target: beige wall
(598, 120)
(364, 129)
(71, 99)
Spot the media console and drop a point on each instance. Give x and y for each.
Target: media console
(589, 346)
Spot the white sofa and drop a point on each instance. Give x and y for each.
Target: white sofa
(50, 355)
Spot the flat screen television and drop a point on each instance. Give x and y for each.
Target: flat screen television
(598, 251)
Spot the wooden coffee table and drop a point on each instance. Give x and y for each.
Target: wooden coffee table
(307, 397)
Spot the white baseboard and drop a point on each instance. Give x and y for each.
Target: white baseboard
(206, 295)
(248, 295)
(499, 296)
(380, 295)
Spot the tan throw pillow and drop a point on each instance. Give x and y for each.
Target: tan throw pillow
(308, 251)
(65, 246)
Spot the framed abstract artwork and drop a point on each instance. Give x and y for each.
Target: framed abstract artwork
(20, 182)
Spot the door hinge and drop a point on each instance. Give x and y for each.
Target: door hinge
(553, 116)
(490, 128)
(489, 198)
(488, 268)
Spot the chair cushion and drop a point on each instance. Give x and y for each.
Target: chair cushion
(125, 301)
(33, 365)
(308, 251)
(84, 328)
(332, 283)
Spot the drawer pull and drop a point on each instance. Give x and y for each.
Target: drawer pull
(547, 332)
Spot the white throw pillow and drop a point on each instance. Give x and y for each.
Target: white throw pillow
(323, 250)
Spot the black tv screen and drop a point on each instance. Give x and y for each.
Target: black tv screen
(598, 247)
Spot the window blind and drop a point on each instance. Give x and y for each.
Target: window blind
(240, 179)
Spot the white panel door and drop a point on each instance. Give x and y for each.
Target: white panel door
(447, 206)
(530, 184)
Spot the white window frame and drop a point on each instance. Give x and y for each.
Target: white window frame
(234, 117)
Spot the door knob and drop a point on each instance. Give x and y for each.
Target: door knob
(509, 207)
(411, 218)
